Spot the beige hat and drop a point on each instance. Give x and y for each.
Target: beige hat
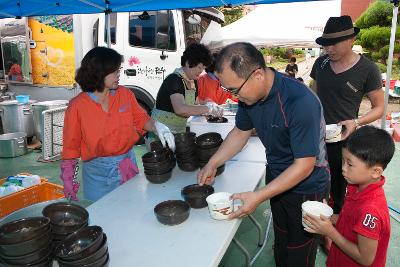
(358, 49)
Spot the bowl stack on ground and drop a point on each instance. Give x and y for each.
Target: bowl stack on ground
(26, 242)
(65, 218)
(207, 144)
(186, 151)
(86, 247)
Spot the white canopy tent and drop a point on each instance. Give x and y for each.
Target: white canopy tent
(284, 25)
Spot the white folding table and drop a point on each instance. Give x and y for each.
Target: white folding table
(136, 238)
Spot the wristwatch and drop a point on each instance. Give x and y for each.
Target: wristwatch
(357, 123)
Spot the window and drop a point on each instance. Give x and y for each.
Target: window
(113, 28)
(153, 29)
(194, 32)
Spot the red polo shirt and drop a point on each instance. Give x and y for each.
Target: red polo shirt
(364, 213)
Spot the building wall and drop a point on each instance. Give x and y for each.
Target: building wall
(354, 8)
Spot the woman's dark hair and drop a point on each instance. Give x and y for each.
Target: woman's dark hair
(95, 66)
(211, 67)
(371, 145)
(293, 59)
(195, 54)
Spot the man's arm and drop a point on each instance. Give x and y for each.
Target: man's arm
(376, 98)
(300, 169)
(232, 144)
(297, 172)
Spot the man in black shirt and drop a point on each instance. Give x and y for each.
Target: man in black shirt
(342, 78)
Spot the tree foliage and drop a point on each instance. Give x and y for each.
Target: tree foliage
(378, 14)
(232, 14)
(375, 24)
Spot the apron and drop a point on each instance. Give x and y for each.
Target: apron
(102, 175)
(174, 122)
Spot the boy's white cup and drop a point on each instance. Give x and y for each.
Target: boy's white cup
(333, 133)
(315, 208)
(220, 205)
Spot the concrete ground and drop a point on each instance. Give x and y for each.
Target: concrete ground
(246, 233)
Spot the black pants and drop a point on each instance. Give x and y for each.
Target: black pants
(338, 183)
(293, 246)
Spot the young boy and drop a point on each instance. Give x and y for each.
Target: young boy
(362, 230)
(291, 68)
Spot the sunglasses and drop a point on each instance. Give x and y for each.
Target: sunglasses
(235, 91)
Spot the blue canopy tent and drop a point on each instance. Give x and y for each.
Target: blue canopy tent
(28, 8)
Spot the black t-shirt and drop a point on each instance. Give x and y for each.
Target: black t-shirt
(291, 70)
(173, 84)
(341, 93)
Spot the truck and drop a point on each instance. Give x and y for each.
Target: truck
(49, 49)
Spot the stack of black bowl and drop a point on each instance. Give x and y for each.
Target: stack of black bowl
(26, 242)
(65, 218)
(207, 144)
(185, 150)
(158, 165)
(86, 247)
(157, 145)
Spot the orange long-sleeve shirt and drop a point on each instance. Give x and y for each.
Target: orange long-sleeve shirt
(90, 132)
(208, 88)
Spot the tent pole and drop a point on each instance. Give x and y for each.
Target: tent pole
(108, 29)
(390, 61)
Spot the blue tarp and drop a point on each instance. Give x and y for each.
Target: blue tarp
(28, 8)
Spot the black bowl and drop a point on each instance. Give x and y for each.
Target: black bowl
(157, 171)
(22, 230)
(185, 138)
(32, 258)
(220, 170)
(159, 165)
(65, 217)
(158, 178)
(156, 146)
(80, 244)
(46, 262)
(154, 156)
(26, 247)
(188, 166)
(172, 212)
(209, 140)
(196, 195)
(217, 119)
(89, 259)
(204, 154)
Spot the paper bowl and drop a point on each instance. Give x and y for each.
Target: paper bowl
(333, 133)
(315, 208)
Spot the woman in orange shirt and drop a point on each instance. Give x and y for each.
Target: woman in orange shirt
(209, 87)
(101, 126)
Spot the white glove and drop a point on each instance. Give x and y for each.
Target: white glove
(165, 135)
(214, 110)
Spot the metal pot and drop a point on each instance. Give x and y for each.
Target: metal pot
(38, 108)
(17, 117)
(12, 145)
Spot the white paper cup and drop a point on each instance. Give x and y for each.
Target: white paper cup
(315, 208)
(333, 133)
(220, 205)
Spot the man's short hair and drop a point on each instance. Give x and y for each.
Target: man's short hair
(371, 145)
(293, 59)
(242, 58)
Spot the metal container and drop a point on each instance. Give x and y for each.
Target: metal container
(13, 145)
(38, 108)
(17, 117)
